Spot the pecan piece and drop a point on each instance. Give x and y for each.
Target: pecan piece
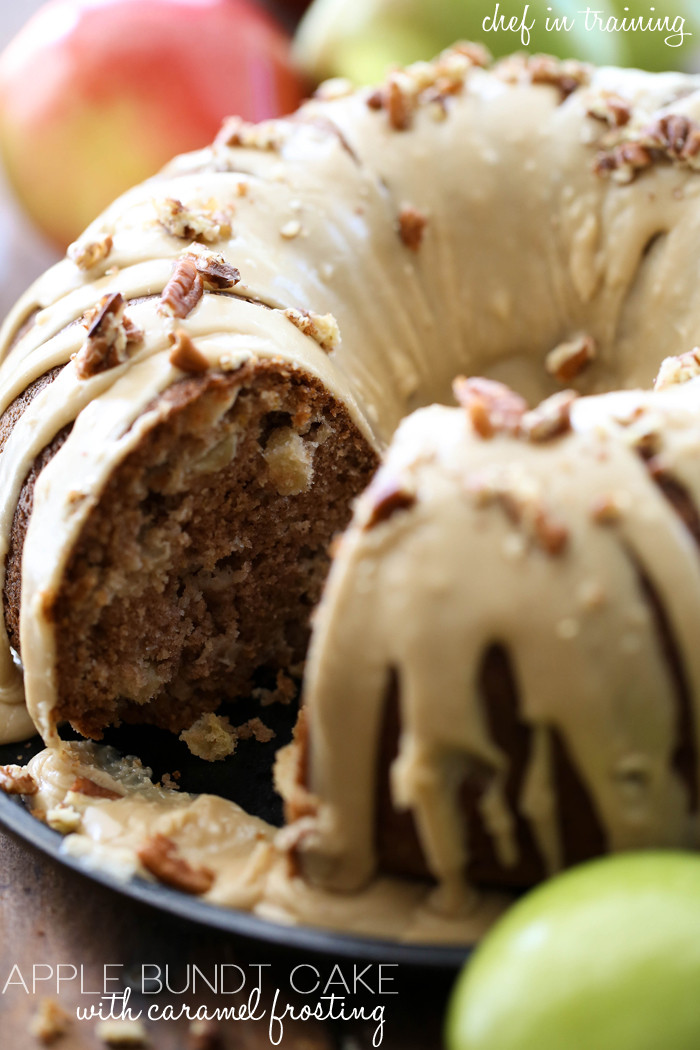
(88, 254)
(159, 855)
(216, 273)
(85, 786)
(550, 533)
(678, 369)
(111, 335)
(566, 361)
(184, 289)
(322, 328)
(669, 134)
(268, 135)
(492, 407)
(606, 510)
(615, 111)
(193, 224)
(624, 163)
(411, 227)
(14, 780)
(388, 497)
(566, 77)
(185, 355)
(550, 419)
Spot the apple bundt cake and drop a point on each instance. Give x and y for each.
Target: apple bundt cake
(503, 676)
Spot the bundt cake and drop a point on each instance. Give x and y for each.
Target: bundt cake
(504, 675)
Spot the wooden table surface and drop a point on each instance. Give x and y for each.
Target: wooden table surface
(50, 915)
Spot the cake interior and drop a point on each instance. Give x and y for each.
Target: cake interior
(193, 578)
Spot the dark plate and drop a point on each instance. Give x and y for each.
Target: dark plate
(246, 779)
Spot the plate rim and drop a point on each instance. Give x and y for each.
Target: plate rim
(15, 816)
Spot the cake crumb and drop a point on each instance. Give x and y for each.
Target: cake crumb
(256, 729)
(283, 693)
(117, 1032)
(50, 1022)
(211, 737)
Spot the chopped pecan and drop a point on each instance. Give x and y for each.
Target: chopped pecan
(88, 254)
(551, 535)
(322, 328)
(566, 76)
(195, 224)
(14, 780)
(550, 419)
(399, 102)
(624, 162)
(85, 786)
(566, 361)
(411, 226)
(184, 289)
(678, 369)
(185, 355)
(216, 273)
(290, 229)
(110, 339)
(335, 88)
(519, 496)
(606, 510)
(159, 855)
(268, 135)
(426, 83)
(477, 54)
(615, 111)
(668, 134)
(492, 407)
(387, 497)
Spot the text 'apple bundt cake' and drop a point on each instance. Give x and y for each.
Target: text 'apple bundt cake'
(503, 677)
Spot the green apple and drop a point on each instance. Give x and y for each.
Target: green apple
(603, 957)
(361, 39)
(658, 49)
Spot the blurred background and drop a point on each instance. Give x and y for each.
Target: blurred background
(24, 252)
(96, 95)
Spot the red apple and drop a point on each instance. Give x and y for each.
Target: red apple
(96, 95)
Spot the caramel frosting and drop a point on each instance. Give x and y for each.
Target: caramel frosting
(547, 545)
(246, 858)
